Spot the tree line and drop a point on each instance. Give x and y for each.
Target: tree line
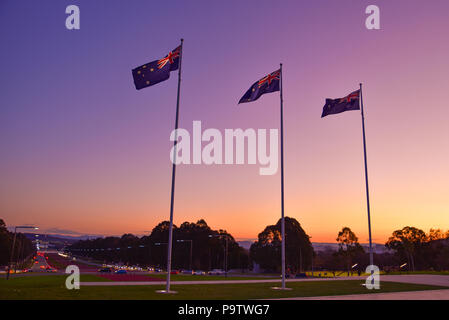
(420, 250)
(410, 247)
(195, 246)
(23, 248)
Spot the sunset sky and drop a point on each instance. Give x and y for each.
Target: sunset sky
(82, 150)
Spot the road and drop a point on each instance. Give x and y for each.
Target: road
(41, 264)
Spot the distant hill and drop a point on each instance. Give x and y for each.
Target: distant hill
(46, 237)
(245, 244)
(56, 241)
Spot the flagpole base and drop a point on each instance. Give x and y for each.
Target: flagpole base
(280, 288)
(166, 292)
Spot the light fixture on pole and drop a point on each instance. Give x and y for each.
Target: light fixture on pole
(13, 244)
(226, 236)
(191, 245)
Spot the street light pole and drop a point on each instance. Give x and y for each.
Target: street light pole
(13, 244)
(225, 251)
(191, 245)
(160, 244)
(226, 258)
(312, 263)
(19, 249)
(12, 253)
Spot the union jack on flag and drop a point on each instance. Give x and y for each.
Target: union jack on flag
(351, 96)
(334, 106)
(269, 78)
(269, 83)
(171, 57)
(156, 71)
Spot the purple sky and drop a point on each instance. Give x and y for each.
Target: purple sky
(82, 150)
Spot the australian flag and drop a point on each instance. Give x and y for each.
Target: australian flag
(267, 84)
(156, 71)
(350, 102)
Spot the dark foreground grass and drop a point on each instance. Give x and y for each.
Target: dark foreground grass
(53, 287)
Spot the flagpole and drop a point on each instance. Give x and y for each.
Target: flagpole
(366, 179)
(172, 199)
(282, 182)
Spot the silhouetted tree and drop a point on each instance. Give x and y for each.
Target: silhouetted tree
(435, 234)
(266, 251)
(23, 247)
(407, 242)
(349, 246)
(5, 244)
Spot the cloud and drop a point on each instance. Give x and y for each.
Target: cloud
(70, 233)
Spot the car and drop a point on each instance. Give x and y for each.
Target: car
(217, 272)
(174, 272)
(187, 272)
(106, 270)
(199, 273)
(301, 275)
(121, 271)
(158, 270)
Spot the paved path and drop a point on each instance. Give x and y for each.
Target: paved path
(408, 295)
(147, 283)
(436, 280)
(417, 279)
(430, 279)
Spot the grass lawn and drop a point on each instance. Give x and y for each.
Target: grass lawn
(53, 287)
